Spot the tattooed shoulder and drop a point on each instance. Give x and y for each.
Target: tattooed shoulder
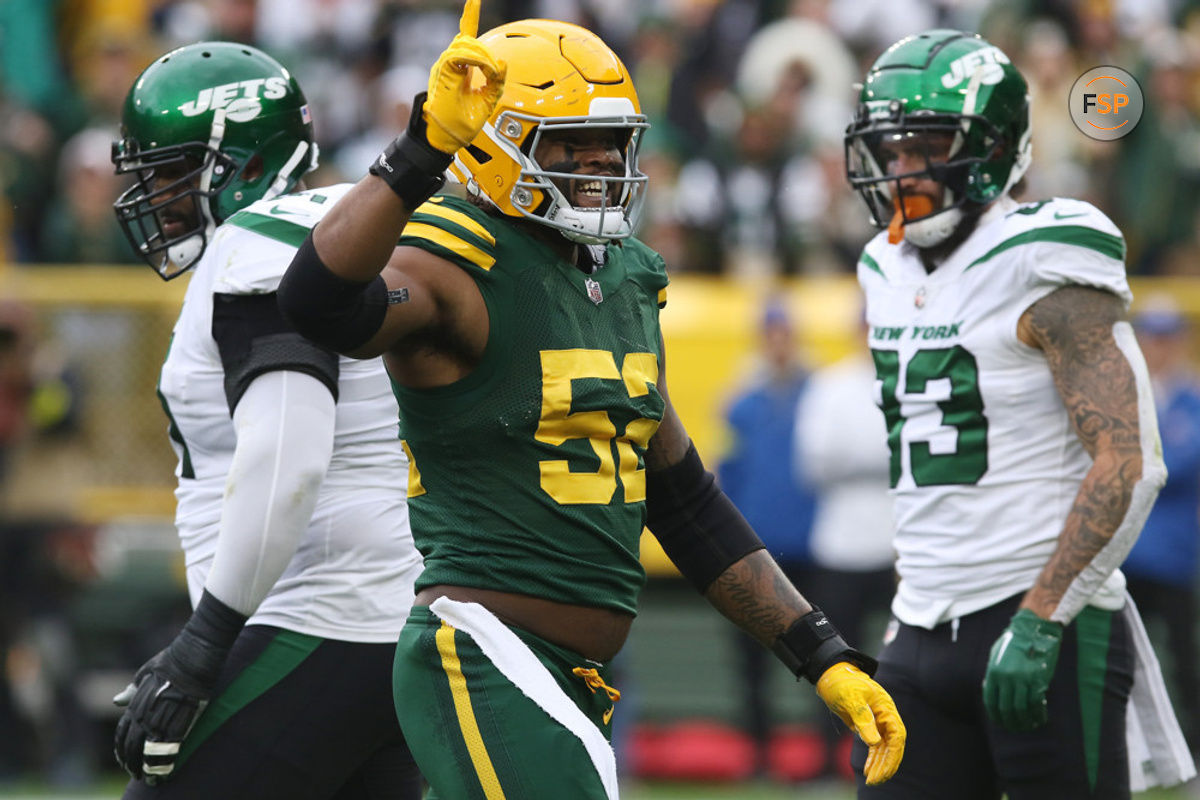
(1073, 326)
(1071, 316)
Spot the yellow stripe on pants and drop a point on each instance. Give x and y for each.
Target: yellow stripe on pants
(466, 714)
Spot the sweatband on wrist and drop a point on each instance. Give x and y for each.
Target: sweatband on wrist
(699, 528)
(194, 659)
(812, 645)
(214, 622)
(326, 308)
(410, 166)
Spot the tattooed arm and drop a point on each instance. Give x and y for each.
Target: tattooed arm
(1102, 379)
(716, 549)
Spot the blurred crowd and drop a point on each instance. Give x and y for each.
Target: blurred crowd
(748, 100)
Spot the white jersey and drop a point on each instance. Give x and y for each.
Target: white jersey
(984, 463)
(352, 575)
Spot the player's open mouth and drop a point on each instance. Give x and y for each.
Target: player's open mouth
(590, 194)
(174, 226)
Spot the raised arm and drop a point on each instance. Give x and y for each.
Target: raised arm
(333, 291)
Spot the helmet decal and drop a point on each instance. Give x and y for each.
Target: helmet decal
(985, 62)
(952, 101)
(206, 130)
(240, 100)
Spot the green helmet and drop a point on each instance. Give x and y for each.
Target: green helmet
(206, 129)
(947, 83)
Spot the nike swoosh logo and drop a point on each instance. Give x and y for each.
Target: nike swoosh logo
(1060, 215)
(283, 211)
(608, 714)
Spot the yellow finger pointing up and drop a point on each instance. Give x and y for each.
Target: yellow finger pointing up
(468, 23)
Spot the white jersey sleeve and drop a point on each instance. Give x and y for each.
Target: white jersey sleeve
(1064, 242)
(350, 570)
(255, 246)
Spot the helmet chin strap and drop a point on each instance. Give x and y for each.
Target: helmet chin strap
(184, 254)
(933, 230)
(279, 185)
(590, 226)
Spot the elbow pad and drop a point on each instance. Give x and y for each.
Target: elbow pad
(698, 526)
(328, 309)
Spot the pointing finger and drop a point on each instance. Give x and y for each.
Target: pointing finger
(468, 24)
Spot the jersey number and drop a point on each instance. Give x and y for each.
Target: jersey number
(962, 411)
(558, 425)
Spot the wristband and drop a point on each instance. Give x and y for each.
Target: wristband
(410, 166)
(200, 648)
(812, 645)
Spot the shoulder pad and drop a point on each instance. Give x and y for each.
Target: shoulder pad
(453, 229)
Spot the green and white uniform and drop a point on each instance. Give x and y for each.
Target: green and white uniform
(290, 506)
(352, 573)
(984, 463)
(528, 477)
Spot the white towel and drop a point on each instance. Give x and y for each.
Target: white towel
(517, 662)
(1158, 753)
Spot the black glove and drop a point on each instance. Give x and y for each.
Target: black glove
(170, 691)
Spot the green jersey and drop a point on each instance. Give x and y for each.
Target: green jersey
(528, 475)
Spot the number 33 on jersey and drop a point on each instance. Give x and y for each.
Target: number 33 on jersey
(962, 397)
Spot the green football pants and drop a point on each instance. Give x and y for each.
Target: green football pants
(493, 712)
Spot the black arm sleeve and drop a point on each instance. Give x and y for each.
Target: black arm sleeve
(328, 309)
(698, 526)
(253, 337)
(704, 534)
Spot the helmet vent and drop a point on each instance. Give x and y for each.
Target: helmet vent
(539, 86)
(479, 155)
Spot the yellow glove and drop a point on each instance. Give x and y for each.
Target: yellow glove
(455, 110)
(868, 710)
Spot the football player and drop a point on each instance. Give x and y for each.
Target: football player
(300, 562)
(1024, 452)
(519, 320)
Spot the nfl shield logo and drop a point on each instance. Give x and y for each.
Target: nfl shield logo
(593, 291)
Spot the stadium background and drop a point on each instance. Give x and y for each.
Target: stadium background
(90, 574)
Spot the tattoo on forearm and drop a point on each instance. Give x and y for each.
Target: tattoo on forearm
(1074, 326)
(756, 595)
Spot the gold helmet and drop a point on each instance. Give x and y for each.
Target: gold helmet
(560, 76)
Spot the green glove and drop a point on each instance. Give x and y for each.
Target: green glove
(1019, 670)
